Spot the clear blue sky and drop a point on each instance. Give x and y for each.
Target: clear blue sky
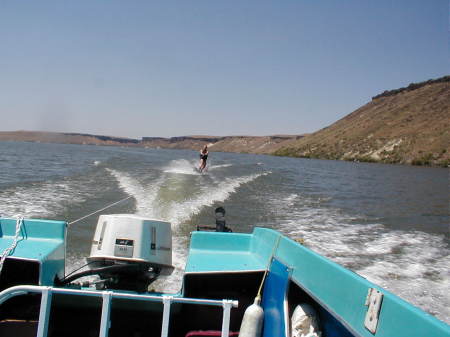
(172, 68)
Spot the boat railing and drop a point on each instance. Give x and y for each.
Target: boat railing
(107, 296)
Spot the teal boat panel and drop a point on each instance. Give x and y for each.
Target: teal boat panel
(344, 293)
(211, 251)
(218, 252)
(340, 291)
(414, 322)
(42, 241)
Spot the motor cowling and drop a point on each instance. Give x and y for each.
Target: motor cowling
(142, 246)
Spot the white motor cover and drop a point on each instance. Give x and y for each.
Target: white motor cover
(129, 237)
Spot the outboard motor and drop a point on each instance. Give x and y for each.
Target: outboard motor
(129, 252)
(220, 220)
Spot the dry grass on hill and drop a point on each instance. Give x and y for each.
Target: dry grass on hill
(409, 127)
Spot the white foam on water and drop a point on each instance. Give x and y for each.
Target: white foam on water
(43, 200)
(97, 162)
(145, 195)
(182, 166)
(413, 265)
(39, 199)
(177, 212)
(290, 200)
(181, 212)
(214, 167)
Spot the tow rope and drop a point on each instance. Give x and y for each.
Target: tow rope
(102, 209)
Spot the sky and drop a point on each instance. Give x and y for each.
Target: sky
(174, 68)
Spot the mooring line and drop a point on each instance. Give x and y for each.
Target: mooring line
(8, 250)
(114, 203)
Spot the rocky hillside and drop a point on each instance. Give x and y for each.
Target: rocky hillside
(241, 144)
(408, 125)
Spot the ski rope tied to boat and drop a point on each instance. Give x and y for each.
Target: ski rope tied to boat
(275, 247)
(102, 209)
(8, 250)
(19, 223)
(252, 322)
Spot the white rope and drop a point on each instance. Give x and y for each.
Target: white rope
(86, 216)
(8, 250)
(275, 247)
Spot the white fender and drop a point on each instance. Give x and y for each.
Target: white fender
(251, 325)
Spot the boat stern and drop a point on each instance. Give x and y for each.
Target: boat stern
(34, 251)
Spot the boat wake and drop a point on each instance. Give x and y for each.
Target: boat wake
(182, 166)
(190, 167)
(42, 199)
(176, 199)
(413, 265)
(214, 167)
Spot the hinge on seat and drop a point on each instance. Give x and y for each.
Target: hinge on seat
(373, 301)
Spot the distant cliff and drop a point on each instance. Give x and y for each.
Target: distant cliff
(242, 144)
(182, 142)
(66, 138)
(408, 125)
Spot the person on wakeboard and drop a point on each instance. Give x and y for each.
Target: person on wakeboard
(203, 157)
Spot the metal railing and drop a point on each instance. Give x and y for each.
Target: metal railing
(107, 296)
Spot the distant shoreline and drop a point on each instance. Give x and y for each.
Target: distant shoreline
(251, 144)
(409, 126)
(233, 144)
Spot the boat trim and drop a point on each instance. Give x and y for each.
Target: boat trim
(226, 271)
(12, 257)
(315, 298)
(326, 307)
(107, 296)
(287, 325)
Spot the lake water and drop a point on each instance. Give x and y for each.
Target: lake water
(388, 223)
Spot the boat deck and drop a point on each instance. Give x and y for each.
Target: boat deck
(219, 252)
